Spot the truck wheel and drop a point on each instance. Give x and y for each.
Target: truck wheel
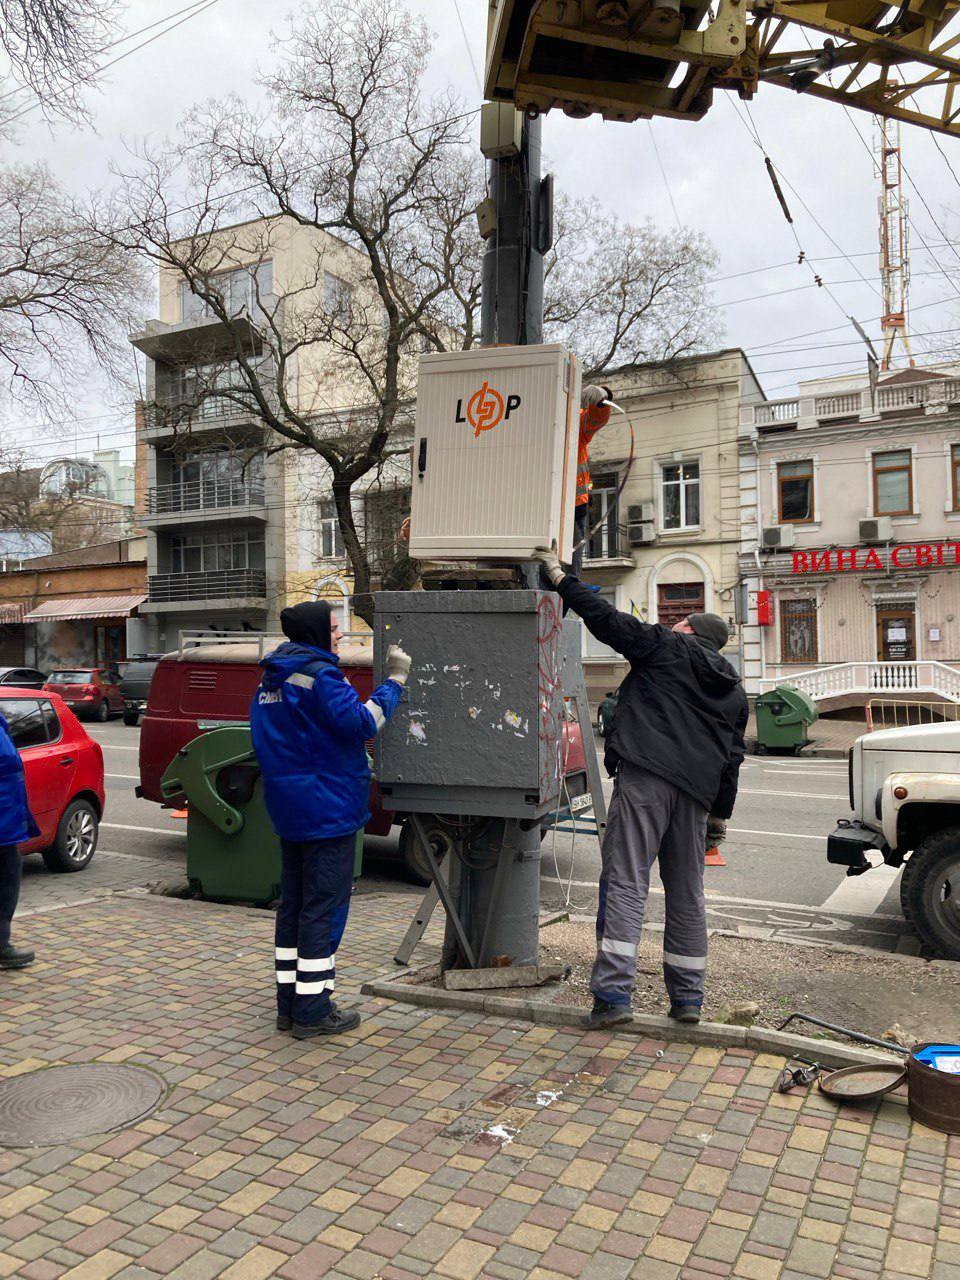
(131, 717)
(414, 859)
(76, 839)
(930, 892)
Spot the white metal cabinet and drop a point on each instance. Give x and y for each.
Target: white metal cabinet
(495, 453)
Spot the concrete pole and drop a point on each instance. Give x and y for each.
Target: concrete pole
(500, 906)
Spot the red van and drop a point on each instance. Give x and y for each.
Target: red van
(209, 684)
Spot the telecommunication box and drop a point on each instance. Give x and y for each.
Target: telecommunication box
(495, 453)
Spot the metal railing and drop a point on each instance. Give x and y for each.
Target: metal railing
(895, 713)
(172, 411)
(216, 584)
(608, 544)
(202, 495)
(874, 677)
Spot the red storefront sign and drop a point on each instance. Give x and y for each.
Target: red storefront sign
(918, 555)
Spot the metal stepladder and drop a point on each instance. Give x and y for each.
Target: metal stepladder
(575, 692)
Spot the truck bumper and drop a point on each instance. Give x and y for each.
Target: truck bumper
(847, 846)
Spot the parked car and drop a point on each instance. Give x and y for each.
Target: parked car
(135, 684)
(606, 712)
(92, 692)
(64, 772)
(21, 677)
(209, 685)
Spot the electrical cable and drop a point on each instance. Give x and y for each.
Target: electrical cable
(466, 41)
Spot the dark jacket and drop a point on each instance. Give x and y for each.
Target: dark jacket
(310, 729)
(682, 711)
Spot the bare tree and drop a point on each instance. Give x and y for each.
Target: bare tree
(384, 185)
(51, 48)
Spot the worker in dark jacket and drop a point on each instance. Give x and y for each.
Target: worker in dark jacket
(675, 750)
(310, 728)
(17, 826)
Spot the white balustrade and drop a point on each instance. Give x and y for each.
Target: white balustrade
(874, 677)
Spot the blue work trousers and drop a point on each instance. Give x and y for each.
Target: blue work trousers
(316, 879)
(10, 866)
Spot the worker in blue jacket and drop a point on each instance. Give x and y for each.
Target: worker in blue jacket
(310, 730)
(16, 827)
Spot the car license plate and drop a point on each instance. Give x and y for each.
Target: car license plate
(579, 803)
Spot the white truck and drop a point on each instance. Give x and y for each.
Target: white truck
(905, 797)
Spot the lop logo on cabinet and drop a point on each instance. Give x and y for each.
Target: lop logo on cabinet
(486, 409)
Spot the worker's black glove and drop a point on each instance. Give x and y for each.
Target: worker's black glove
(716, 831)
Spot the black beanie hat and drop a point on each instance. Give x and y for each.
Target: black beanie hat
(711, 627)
(308, 623)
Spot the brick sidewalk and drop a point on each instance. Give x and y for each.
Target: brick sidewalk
(427, 1144)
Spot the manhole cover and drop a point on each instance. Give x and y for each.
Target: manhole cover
(58, 1104)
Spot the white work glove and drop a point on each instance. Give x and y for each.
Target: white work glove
(716, 831)
(398, 664)
(551, 565)
(593, 394)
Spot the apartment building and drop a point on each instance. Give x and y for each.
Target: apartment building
(665, 522)
(850, 545)
(233, 525)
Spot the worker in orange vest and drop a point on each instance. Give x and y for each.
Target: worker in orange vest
(594, 414)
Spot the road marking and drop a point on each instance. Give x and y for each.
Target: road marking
(791, 795)
(744, 902)
(135, 857)
(130, 777)
(862, 894)
(147, 831)
(111, 746)
(785, 835)
(805, 773)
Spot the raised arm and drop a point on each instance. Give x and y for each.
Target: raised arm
(726, 797)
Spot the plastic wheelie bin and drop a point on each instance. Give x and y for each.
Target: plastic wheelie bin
(783, 716)
(233, 852)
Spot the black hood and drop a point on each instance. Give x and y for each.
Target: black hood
(308, 623)
(713, 672)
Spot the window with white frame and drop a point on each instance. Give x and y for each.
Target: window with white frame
(680, 495)
(241, 290)
(591, 647)
(337, 294)
(331, 539)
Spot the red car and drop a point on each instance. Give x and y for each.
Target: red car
(64, 772)
(92, 692)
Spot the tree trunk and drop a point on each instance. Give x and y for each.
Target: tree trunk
(356, 552)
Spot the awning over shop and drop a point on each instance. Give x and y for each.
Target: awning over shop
(10, 614)
(91, 607)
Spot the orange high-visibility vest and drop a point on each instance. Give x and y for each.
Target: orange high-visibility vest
(592, 419)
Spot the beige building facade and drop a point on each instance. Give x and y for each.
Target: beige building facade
(850, 506)
(664, 507)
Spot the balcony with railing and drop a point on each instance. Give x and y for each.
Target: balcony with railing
(609, 548)
(932, 395)
(240, 586)
(197, 500)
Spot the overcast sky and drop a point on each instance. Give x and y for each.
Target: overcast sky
(714, 170)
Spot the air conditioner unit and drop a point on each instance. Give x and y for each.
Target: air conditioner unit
(641, 513)
(778, 537)
(879, 529)
(641, 532)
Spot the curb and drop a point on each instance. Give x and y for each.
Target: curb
(785, 1044)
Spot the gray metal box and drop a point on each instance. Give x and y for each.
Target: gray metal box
(479, 730)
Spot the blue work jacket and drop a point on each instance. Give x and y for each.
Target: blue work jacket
(16, 821)
(310, 730)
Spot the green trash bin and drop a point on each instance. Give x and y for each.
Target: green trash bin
(233, 852)
(783, 716)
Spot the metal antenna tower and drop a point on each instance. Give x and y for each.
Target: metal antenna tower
(894, 237)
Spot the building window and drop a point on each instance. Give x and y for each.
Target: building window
(955, 475)
(337, 294)
(603, 517)
(207, 553)
(590, 646)
(798, 630)
(676, 600)
(331, 539)
(795, 491)
(680, 495)
(239, 290)
(893, 483)
(384, 511)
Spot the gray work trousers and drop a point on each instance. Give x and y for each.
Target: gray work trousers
(650, 817)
